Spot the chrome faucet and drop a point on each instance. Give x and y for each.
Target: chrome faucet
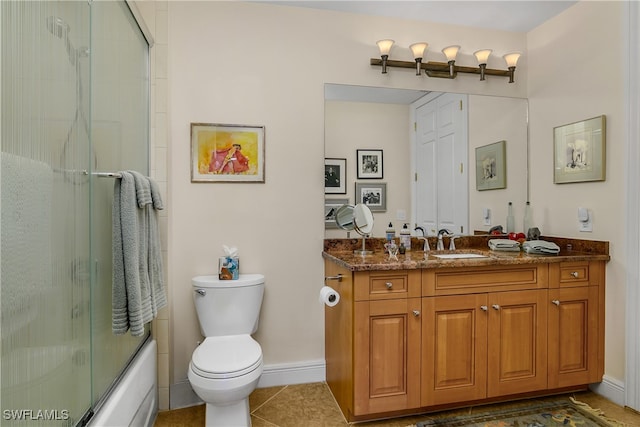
(452, 244)
(444, 232)
(426, 247)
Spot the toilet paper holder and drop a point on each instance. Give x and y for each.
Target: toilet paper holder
(338, 278)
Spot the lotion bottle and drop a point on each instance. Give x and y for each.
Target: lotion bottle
(511, 227)
(391, 233)
(405, 237)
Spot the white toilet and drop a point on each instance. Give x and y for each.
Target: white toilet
(226, 367)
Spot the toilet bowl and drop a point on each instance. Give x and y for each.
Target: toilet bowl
(223, 372)
(227, 366)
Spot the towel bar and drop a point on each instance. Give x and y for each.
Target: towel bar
(107, 174)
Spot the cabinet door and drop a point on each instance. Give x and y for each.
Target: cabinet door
(517, 342)
(454, 349)
(573, 336)
(387, 355)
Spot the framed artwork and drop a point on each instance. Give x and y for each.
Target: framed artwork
(579, 151)
(369, 164)
(372, 195)
(330, 208)
(335, 176)
(227, 153)
(491, 166)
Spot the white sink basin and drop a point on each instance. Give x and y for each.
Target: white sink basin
(458, 256)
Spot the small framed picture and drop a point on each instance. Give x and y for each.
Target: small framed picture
(491, 166)
(227, 153)
(372, 195)
(330, 208)
(370, 164)
(579, 151)
(335, 176)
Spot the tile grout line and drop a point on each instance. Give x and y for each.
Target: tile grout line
(268, 400)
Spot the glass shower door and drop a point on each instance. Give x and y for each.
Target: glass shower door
(120, 141)
(45, 292)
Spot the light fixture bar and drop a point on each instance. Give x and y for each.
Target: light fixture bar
(440, 69)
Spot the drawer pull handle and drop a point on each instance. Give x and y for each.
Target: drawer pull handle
(416, 313)
(389, 285)
(556, 302)
(496, 307)
(575, 274)
(484, 308)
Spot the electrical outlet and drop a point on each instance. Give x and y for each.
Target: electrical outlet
(486, 216)
(401, 215)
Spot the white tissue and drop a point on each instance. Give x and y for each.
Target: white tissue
(230, 251)
(329, 296)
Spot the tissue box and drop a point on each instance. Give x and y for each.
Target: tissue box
(228, 268)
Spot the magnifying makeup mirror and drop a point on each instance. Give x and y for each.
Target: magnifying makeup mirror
(358, 218)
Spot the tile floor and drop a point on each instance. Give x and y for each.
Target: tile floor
(312, 405)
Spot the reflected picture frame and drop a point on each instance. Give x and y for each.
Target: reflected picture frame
(227, 153)
(335, 176)
(491, 166)
(330, 208)
(370, 164)
(580, 151)
(374, 195)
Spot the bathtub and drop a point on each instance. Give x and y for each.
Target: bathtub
(134, 401)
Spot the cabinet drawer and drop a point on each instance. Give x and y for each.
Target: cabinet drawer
(386, 284)
(570, 274)
(483, 279)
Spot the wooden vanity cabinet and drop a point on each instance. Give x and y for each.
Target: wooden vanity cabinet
(487, 343)
(404, 341)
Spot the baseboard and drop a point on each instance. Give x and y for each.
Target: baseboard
(181, 395)
(611, 389)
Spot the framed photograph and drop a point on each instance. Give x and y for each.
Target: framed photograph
(372, 195)
(335, 176)
(579, 151)
(227, 153)
(330, 208)
(369, 164)
(491, 166)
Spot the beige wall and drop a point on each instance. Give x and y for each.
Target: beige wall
(259, 64)
(266, 65)
(571, 78)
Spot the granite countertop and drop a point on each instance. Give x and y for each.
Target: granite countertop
(341, 252)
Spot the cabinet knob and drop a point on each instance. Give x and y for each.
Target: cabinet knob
(496, 307)
(389, 285)
(574, 274)
(416, 313)
(556, 302)
(484, 308)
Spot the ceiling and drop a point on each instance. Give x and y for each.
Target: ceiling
(506, 15)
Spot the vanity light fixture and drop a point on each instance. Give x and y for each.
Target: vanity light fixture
(385, 48)
(418, 52)
(448, 70)
(482, 56)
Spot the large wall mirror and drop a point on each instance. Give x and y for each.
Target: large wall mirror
(385, 122)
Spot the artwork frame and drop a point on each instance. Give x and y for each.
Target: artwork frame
(330, 207)
(335, 183)
(579, 151)
(370, 164)
(374, 195)
(225, 165)
(491, 166)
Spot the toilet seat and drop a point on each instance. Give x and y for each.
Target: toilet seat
(226, 357)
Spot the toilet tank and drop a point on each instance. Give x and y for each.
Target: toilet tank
(228, 307)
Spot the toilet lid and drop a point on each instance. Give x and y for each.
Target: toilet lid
(226, 357)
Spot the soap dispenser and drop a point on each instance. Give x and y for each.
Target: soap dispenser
(405, 237)
(391, 233)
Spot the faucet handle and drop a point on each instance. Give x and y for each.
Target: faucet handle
(452, 244)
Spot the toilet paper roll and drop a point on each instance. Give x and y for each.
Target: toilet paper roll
(329, 296)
